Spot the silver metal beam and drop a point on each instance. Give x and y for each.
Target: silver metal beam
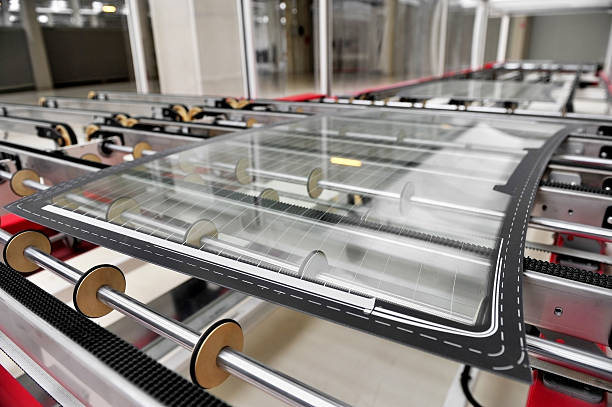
(36, 46)
(595, 366)
(608, 59)
(134, 19)
(556, 225)
(442, 40)
(324, 41)
(479, 34)
(247, 47)
(560, 305)
(502, 44)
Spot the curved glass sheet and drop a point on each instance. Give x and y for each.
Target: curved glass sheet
(372, 213)
(476, 89)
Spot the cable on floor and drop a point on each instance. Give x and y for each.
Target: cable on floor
(465, 386)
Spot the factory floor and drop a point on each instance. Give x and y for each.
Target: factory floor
(358, 368)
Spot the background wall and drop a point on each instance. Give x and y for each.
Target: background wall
(86, 55)
(15, 68)
(197, 46)
(569, 38)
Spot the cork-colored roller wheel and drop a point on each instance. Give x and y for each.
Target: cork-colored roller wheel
(194, 178)
(238, 104)
(139, 148)
(233, 103)
(19, 177)
(269, 194)
(194, 111)
(121, 118)
(14, 255)
(186, 164)
(65, 135)
(182, 112)
(199, 229)
(241, 171)
(85, 294)
(92, 94)
(64, 202)
(203, 367)
(251, 122)
(42, 101)
(130, 122)
(115, 211)
(90, 130)
(91, 157)
(312, 185)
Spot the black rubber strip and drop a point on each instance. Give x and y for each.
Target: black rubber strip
(159, 382)
(568, 272)
(580, 188)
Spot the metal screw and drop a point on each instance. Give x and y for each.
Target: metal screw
(558, 311)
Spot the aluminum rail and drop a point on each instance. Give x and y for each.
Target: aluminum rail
(583, 254)
(275, 383)
(22, 125)
(556, 225)
(219, 125)
(596, 366)
(126, 149)
(580, 159)
(33, 111)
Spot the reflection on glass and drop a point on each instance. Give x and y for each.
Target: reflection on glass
(381, 42)
(476, 89)
(283, 42)
(394, 206)
(459, 35)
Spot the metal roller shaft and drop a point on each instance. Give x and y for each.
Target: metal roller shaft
(238, 364)
(355, 189)
(126, 149)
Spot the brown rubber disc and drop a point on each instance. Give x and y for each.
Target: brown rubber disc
(90, 130)
(199, 229)
(182, 112)
(64, 134)
(19, 177)
(312, 185)
(241, 172)
(85, 295)
(91, 157)
(14, 255)
(139, 148)
(204, 369)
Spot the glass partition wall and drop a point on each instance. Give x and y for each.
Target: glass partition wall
(283, 46)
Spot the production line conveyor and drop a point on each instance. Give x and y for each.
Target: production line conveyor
(411, 226)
